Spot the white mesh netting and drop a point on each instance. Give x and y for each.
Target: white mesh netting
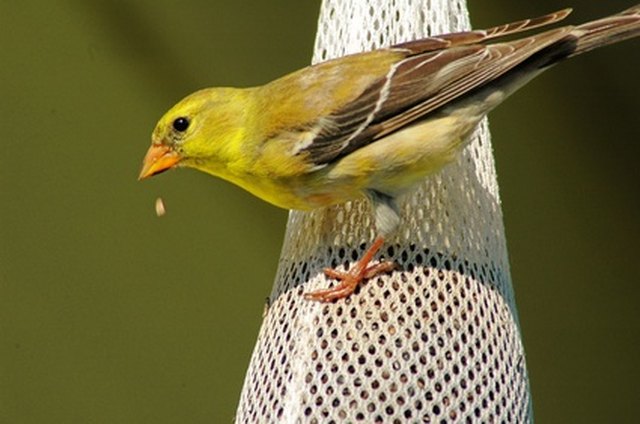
(435, 341)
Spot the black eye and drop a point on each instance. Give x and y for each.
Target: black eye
(181, 124)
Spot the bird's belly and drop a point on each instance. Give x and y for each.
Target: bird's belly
(390, 165)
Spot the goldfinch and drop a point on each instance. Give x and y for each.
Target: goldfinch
(370, 124)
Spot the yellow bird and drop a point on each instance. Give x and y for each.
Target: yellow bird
(370, 124)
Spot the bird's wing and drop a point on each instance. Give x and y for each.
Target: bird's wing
(433, 72)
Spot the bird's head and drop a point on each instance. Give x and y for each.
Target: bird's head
(202, 131)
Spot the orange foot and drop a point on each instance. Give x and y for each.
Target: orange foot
(349, 280)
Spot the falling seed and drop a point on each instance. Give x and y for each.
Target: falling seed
(160, 210)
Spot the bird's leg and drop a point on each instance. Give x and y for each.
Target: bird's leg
(349, 280)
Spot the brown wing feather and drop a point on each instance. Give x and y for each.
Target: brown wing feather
(481, 36)
(490, 63)
(416, 86)
(438, 70)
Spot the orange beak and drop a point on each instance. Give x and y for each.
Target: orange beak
(159, 158)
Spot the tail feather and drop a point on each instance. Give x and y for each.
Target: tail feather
(605, 31)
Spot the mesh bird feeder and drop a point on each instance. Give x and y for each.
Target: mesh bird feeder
(436, 340)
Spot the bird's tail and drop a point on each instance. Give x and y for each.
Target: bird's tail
(605, 31)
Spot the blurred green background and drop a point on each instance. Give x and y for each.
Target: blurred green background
(109, 314)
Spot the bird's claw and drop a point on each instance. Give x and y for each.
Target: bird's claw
(349, 281)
